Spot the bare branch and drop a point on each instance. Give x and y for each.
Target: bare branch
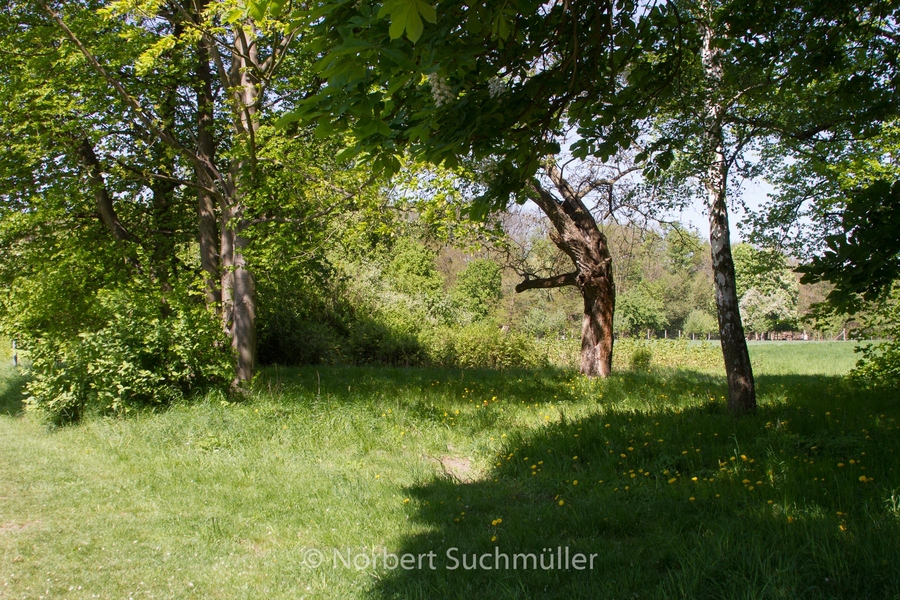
(548, 282)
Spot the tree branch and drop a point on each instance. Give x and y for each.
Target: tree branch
(548, 282)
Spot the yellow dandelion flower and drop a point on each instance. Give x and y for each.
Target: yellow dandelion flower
(673, 480)
(575, 482)
(561, 502)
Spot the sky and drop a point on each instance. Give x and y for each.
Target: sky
(755, 194)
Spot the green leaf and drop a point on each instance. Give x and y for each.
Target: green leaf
(234, 15)
(414, 26)
(398, 23)
(257, 10)
(427, 11)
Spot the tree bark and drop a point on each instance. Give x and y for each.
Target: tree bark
(242, 309)
(102, 199)
(738, 370)
(206, 206)
(576, 233)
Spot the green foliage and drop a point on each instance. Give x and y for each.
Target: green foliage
(763, 312)
(477, 288)
(389, 336)
(637, 310)
(152, 350)
(863, 258)
(411, 270)
(879, 363)
(482, 344)
(640, 358)
(700, 322)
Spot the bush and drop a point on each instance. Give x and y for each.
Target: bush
(148, 353)
(700, 322)
(389, 337)
(640, 358)
(879, 365)
(481, 345)
(478, 288)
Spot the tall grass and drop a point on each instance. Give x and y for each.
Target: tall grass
(647, 470)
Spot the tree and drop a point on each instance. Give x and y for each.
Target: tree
(244, 70)
(497, 93)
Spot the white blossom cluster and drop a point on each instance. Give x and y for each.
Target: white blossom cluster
(440, 91)
(496, 86)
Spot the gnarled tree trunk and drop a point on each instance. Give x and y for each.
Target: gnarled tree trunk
(576, 233)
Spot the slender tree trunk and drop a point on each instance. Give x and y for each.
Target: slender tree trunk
(241, 303)
(102, 198)
(741, 389)
(206, 207)
(163, 192)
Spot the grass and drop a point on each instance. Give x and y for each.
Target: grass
(675, 497)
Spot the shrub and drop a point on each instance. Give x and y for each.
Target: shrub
(481, 344)
(879, 365)
(478, 288)
(640, 358)
(148, 353)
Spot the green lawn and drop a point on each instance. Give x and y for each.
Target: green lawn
(646, 471)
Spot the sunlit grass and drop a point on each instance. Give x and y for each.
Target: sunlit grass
(648, 471)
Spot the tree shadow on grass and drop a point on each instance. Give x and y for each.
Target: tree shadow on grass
(12, 401)
(799, 500)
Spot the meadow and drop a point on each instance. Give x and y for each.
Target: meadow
(331, 481)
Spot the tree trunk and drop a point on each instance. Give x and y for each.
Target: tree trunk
(576, 233)
(206, 208)
(597, 324)
(741, 389)
(239, 287)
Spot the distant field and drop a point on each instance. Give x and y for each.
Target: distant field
(803, 358)
(646, 471)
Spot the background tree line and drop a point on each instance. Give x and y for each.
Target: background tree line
(189, 182)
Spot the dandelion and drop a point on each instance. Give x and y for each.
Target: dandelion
(493, 538)
(575, 482)
(561, 502)
(673, 480)
(406, 501)
(691, 498)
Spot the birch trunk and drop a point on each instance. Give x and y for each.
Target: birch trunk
(738, 370)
